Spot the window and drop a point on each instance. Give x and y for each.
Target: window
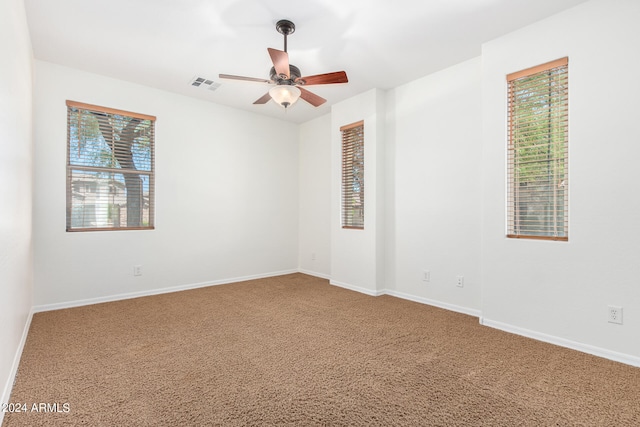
(538, 186)
(353, 175)
(110, 169)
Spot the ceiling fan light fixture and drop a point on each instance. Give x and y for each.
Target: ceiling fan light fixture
(285, 95)
(287, 77)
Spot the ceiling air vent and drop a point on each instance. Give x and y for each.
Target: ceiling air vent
(204, 83)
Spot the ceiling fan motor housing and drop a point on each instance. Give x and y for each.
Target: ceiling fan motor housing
(294, 73)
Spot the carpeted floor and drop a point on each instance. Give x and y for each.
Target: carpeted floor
(294, 350)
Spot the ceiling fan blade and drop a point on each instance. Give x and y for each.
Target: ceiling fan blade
(311, 97)
(264, 99)
(280, 61)
(247, 79)
(324, 79)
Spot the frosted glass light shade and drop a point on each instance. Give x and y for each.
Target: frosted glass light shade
(285, 95)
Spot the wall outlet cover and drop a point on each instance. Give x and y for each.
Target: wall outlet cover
(614, 314)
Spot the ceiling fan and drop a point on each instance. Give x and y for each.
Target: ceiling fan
(287, 78)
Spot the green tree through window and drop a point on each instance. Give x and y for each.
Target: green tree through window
(110, 168)
(537, 152)
(353, 175)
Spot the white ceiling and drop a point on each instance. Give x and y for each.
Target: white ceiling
(165, 43)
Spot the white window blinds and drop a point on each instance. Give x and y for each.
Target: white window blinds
(538, 198)
(110, 169)
(353, 175)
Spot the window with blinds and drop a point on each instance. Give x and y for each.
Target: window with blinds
(110, 169)
(538, 197)
(353, 175)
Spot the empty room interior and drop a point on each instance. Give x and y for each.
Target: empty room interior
(196, 231)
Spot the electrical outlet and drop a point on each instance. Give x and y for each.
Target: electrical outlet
(426, 276)
(460, 281)
(137, 270)
(614, 313)
(313, 256)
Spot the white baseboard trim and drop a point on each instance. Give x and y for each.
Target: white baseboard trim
(393, 293)
(435, 303)
(314, 274)
(573, 345)
(118, 297)
(8, 387)
(357, 288)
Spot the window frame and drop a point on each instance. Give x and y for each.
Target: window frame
(70, 168)
(351, 135)
(559, 106)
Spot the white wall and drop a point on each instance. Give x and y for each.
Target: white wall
(16, 169)
(261, 199)
(357, 256)
(443, 203)
(226, 195)
(437, 134)
(555, 290)
(435, 169)
(314, 232)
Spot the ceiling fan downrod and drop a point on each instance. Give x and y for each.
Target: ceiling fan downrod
(285, 27)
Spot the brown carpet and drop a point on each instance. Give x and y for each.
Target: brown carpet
(294, 350)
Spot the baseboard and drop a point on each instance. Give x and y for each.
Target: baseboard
(8, 388)
(573, 345)
(435, 303)
(118, 297)
(314, 274)
(402, 295)
(356, 288)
